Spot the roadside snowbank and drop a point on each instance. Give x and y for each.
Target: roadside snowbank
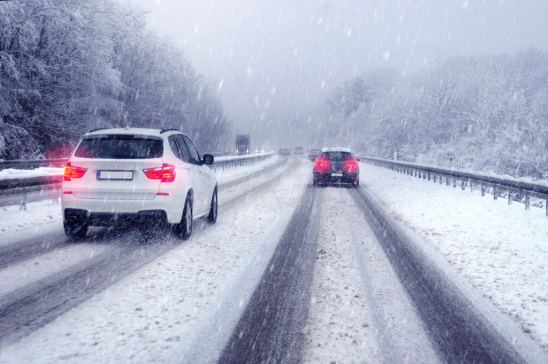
(501, 250)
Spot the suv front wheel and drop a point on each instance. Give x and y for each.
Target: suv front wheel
(213, 209)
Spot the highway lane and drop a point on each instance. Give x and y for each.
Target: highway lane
(406, 309)
(271, 327)
(30, 307)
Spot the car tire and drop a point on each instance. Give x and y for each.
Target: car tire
(357, 183)
(75, 228)
(214, 208)
(183, 229)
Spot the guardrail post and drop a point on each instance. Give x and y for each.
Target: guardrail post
(471, 185)
(509, 197)
(462, 184)
(454, 182)
(546, 206)
(23, 202)
(483, 189)
(527, 202)
(494, 192)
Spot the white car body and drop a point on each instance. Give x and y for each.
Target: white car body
(113, 188)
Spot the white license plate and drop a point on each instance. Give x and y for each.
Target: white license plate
(115, 175)
(336, 174)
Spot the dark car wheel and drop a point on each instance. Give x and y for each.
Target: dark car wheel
(213, 209)
(75, 228)
(184, 228)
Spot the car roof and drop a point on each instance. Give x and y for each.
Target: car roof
(130, 131)
(336, 149)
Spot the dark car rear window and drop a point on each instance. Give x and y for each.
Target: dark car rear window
(337, 156)
(120, 147)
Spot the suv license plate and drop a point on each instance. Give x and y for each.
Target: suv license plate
(115, 175)
(336, 174)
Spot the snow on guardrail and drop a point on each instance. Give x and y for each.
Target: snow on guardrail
(513, 189)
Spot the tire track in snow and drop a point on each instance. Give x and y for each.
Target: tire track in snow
(459, 332)
(271, 329)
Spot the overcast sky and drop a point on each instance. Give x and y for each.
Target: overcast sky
(277, 59)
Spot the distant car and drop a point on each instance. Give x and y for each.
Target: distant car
(336, 165)
(284, 151)
(313, 154)
(147, 176)
(298, 150)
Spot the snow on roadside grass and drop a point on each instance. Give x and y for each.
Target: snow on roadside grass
(38, 218)
(501, 250)
(149, 315)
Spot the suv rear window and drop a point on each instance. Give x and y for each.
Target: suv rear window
(120, 147)
(337, 156)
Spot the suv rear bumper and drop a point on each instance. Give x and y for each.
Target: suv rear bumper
(328, 178)
(147, 217)
(106, 210)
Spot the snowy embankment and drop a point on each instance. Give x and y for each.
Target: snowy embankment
(183, 304)
(500, 249)
(45, 215)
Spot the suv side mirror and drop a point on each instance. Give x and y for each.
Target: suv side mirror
(207, 159)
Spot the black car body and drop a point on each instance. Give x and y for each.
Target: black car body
(336, 166)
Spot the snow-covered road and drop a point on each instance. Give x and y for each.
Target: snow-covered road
(290, 273)
(500, 250)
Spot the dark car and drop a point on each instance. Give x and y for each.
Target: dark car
(313, 154)
(336, 165)
(284, 151)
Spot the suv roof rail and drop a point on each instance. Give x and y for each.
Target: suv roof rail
(166, 130)
(96, 129)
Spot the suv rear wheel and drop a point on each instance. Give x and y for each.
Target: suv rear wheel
(75, 228)
(184, 228)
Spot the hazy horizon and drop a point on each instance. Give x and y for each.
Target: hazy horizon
(275, 62)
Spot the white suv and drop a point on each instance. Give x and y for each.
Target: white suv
(147, 176)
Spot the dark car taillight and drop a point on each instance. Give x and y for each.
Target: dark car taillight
(165, 173)
(322, 165)
(73, 172)
(350, 165)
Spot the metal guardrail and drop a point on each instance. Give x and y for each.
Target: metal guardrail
(25, 185)
(512, 190)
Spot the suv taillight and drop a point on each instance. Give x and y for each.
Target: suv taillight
(350, 165)
(322, 164)
(165, 173)
(73, 172)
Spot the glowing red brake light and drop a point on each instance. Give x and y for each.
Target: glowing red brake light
(165, 173)
(350, 165)
(322, 164)
(73, 172)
